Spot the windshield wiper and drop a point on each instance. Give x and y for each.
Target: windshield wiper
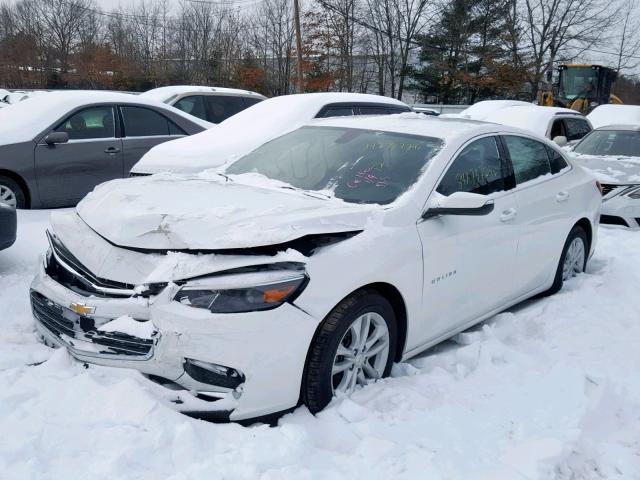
(309, 193)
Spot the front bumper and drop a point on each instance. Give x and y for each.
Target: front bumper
(622, 211)
(269, 348)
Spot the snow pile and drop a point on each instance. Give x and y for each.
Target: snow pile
(548, 390)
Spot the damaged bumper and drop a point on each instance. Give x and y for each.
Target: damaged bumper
(236, 366)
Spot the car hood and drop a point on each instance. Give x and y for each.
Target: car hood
(199, 213)
(610, 168)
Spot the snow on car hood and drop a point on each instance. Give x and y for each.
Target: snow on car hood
(165, 212)
(611, 169)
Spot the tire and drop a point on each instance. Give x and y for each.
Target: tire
(11, 193)
(319, 383)
(577, 233)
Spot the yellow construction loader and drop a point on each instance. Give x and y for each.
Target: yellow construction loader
(581, 88)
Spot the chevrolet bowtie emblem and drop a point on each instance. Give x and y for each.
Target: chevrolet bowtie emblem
(82, 309)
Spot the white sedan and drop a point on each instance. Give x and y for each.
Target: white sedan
(612, 153)
(313, 263)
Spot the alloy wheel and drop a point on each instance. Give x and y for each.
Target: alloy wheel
(8, 196)
(574, 259)
(362, 353)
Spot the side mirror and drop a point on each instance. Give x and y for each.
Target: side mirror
(459, 203)
(56, 137)
(561, 141)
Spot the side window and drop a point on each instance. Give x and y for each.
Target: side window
(576, 128)
(221, 107)
(337, 112)
(529, 158)
(557, 129)
(193, 105)
(555, 159)
(144, 122)
(89, 123)
(477, 169)
(373, 110)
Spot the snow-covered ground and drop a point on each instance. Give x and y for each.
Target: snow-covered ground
(549, 390)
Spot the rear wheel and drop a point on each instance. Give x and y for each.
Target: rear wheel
(11, 193)
(573, 259)
(355, 345)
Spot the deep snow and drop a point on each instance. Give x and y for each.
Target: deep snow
(548, 390)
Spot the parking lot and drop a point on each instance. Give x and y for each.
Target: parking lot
(549, 389)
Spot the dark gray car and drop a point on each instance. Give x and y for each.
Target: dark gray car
(56, 147)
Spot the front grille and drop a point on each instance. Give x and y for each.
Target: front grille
(77, 278)
(68, 325)
(607, 188)
(613, 220)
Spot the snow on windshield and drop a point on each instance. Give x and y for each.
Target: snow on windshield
(358, 166)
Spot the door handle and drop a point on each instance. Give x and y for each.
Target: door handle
(562, 196)
(508, 215)
(111, 150)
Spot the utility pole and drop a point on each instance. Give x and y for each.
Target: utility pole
(296, 15)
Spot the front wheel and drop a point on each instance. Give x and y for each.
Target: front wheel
(355, 345)
(573, 259)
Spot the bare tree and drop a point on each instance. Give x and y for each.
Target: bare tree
(628, 40)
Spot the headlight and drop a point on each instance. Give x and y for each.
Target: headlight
(220, 295)
(635, 194)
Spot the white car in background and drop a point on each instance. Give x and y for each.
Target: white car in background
(614, 115)
(213, 104)
(310, 265)
(612, 153)
(561, 125)
(250, 128)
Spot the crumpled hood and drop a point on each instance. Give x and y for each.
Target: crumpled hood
(611, 169)
(165, 212)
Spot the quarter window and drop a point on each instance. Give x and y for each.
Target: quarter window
(529, 158)
(93, 122)
(478, 169)
(144, 122)
(556, 160)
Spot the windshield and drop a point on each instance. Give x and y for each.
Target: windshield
(359, 166)
(578, 83)
(610, 142)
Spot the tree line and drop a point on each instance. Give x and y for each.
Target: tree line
(444, 51)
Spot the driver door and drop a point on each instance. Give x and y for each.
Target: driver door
(469, 260)
(66, 172)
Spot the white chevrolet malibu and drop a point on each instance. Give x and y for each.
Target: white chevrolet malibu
(313, 263)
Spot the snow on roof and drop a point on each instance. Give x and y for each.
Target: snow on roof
(162, 94)
(480, 110)
(614, 114)
(23, 121)
(530, 117)
(244, 132)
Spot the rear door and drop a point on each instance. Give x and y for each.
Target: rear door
(469, 261)
(143, 128)
(67, 172)
(543, 202)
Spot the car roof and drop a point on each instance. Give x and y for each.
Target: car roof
(164, 93)
(623, 127)
(480, 110)
(534, 118)
(412, 123)
(22, 121)
(615, 114)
